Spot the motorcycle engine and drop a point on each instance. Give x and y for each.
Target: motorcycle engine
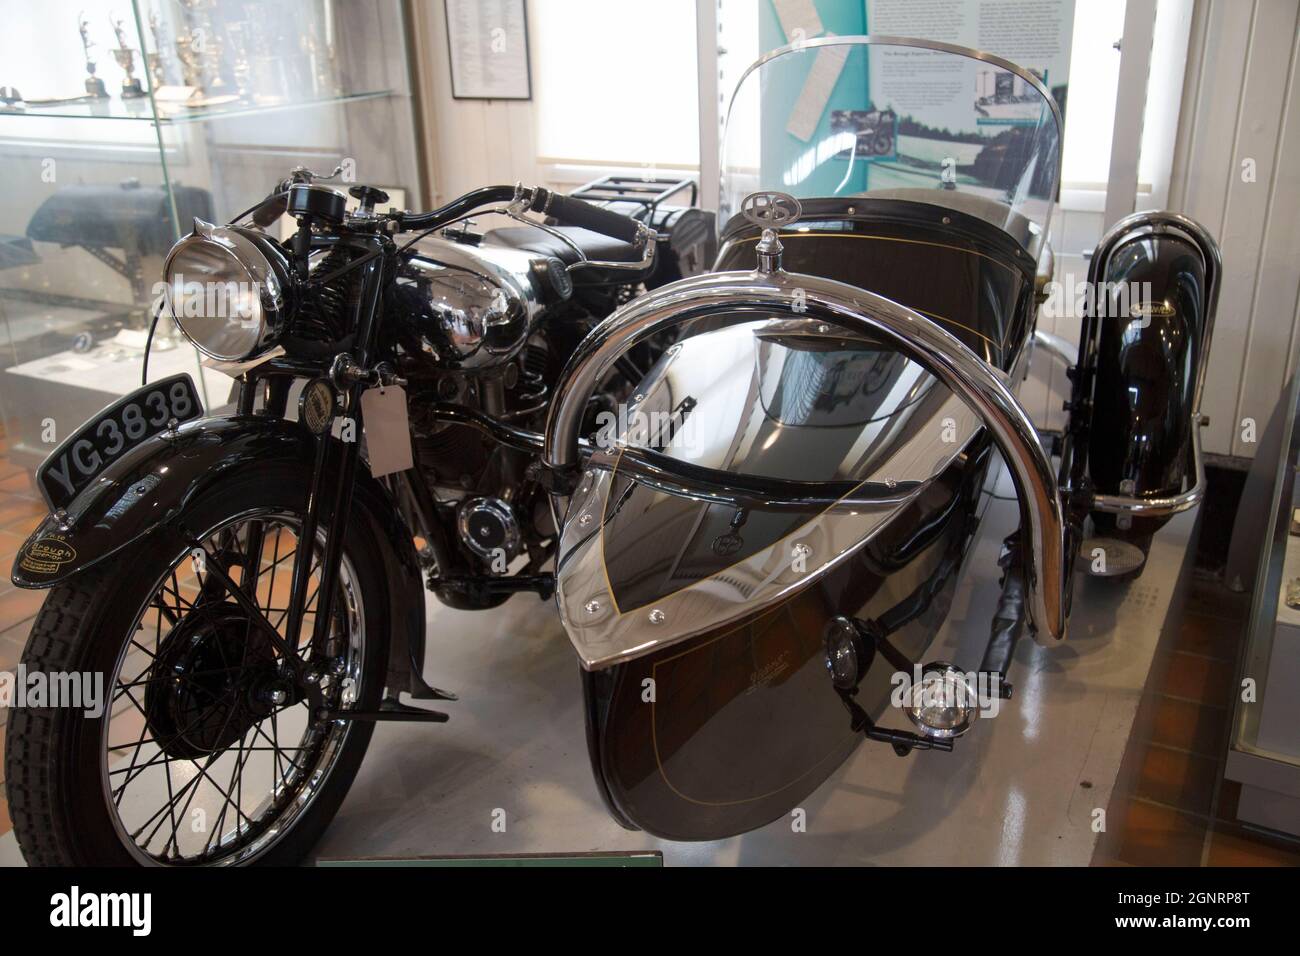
(487, 329)
(491, 509)
(468, 307)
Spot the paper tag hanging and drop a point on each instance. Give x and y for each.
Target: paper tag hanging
(388, 433)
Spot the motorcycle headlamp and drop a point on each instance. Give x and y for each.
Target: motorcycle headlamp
(227, 288)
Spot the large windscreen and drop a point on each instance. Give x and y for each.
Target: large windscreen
(848, 116)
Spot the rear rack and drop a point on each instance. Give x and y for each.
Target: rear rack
(643, 192)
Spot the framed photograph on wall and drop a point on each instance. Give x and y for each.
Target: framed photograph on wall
(487, 47)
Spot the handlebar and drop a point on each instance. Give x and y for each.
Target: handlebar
(578, 212)
(563, 209)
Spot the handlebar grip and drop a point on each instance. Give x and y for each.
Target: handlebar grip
(576, 212)
(271, 209)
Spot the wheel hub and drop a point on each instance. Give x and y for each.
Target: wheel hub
(213, 677)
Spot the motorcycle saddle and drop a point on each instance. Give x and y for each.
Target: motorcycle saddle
(594, 246)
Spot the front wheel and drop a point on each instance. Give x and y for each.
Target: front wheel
(205, 751)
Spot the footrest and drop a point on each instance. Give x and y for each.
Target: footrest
(393, 709)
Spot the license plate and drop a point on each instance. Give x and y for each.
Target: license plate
(112, 433)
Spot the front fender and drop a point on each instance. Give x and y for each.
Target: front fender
(148, 487)
(151, 485)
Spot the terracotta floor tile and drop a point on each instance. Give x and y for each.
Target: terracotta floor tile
(9, 545)
(1178, 779)
(1190, 726)
(1159, 836)
(1234, 845)
(26, 524)
(1211, 598)
(11, 647)
(14, 507)
(20, 483)
(1198, 678)
(1214, 637)
(18, 605)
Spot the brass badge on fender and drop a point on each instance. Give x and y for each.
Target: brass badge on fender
(316, 407)
(1147, 309)
(46, 555)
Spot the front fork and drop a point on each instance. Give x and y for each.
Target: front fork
(329, 490)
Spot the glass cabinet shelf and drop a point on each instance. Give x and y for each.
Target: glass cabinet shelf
(139, 110)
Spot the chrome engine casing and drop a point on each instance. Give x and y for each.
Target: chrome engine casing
(466, 307)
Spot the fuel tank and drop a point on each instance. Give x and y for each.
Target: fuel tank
(466, 307)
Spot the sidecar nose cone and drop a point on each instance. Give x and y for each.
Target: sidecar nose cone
(943, 703)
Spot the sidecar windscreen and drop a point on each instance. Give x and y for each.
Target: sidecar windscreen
(804, 442)
(902, 118)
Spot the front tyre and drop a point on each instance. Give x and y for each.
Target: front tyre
(206, 751)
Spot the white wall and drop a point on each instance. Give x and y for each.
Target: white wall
(469, 143)
(1241, 103)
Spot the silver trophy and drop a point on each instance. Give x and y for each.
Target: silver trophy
(187, 51)
(94, 85)
(154, 61)
(131, 88)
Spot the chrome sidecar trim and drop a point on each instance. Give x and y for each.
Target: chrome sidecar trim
(737, 297)
(720, 455)
(1161, 507)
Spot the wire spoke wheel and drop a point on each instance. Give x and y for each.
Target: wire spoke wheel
(209, 749)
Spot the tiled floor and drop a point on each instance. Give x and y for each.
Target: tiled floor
(1181, 812)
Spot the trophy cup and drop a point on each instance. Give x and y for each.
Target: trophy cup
(212, 51)
(131, 89)
(241, 68)
(154, 61)
(321, 56)
(191, 61)
(205, 47)
(94, 85)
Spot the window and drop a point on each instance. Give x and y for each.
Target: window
(615, 82)
(1094, 82)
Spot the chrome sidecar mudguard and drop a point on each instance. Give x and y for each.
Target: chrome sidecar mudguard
(739, 297)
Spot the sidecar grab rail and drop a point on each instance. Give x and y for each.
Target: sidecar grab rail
(732, 298)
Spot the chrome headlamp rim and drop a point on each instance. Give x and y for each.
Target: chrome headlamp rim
(957, 692)
(264, 267)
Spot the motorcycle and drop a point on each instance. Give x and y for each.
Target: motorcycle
(748, 490)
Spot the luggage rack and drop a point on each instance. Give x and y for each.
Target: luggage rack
(645, 192)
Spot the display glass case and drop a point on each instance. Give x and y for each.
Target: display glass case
(122, 122)
(1264, 753)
